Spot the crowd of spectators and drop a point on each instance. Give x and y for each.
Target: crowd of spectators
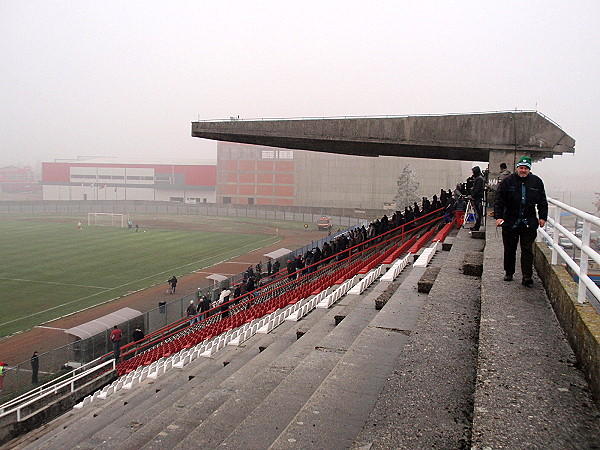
(336, 248)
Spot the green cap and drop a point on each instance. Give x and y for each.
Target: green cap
(524, 161)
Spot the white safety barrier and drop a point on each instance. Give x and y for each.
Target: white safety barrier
(338, 293)
(366, 281)
(396, 268)
(426, 256)
(588, 256)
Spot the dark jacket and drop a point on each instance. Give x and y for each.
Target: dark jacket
(507, 205)
(137, 335)
(478, 184)
(204, 304)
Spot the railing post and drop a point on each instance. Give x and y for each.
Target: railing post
(583, 262)
(555, 235)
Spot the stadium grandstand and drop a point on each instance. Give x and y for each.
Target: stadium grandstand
(356, 349)
(348, 263)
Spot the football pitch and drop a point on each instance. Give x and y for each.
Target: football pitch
(48, 270)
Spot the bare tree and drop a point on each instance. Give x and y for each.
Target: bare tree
(408, 186)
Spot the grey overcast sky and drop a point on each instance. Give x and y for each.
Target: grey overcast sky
(126, 79)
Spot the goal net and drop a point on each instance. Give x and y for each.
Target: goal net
(108, 219)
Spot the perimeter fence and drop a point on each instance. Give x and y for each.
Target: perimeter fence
(340, 217)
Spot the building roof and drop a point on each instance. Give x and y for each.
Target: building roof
(150, 162)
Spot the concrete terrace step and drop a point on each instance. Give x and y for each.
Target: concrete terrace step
(427, 401)
(275, 342)
(180, 390)
(336, 412)
(199, 406)
(253, 420)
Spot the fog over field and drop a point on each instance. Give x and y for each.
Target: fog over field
(126, 79)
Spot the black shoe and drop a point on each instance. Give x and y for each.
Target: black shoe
(474, 228)
(527, 281)
(508, 277)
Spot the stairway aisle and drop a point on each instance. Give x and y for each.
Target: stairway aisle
(530, 392)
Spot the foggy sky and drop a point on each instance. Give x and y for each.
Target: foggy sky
(126, 79)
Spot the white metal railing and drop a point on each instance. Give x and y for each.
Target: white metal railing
(51, 388)
(583, 244)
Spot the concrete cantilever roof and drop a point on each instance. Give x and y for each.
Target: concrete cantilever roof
(466, 137)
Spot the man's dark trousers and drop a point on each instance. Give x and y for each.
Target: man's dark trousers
(510, 239)
(478, 207)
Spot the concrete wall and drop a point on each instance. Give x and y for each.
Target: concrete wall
(581, 323)
(324, 179)
(360, 182)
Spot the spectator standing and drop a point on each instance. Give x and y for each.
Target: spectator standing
(2, 364)
(477, 196)
(223, 301)
(258, 270)
(204, 306)
(137, 334)
(172, 284)
(191, 312)
(504, 172)
(269, 267)
(291, 269)
(515, 211)
(35, 367)
(115, 338)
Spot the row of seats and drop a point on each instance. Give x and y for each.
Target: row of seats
(443, 233)
(361, 264)
(192, 335)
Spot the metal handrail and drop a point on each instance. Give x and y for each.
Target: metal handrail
(51, 388)
(583, 244)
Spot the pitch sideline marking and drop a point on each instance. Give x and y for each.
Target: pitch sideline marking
(53, 282)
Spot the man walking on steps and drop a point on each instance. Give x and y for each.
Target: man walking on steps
(477, 196)
(515, 211)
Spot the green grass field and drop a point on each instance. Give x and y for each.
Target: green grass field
(51, 269)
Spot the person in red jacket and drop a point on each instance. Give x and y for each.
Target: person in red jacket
(115, 338)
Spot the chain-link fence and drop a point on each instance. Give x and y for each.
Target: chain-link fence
(340, 217)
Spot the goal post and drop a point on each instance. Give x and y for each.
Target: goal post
(108, 219)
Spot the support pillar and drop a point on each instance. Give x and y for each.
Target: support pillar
(498, 157)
